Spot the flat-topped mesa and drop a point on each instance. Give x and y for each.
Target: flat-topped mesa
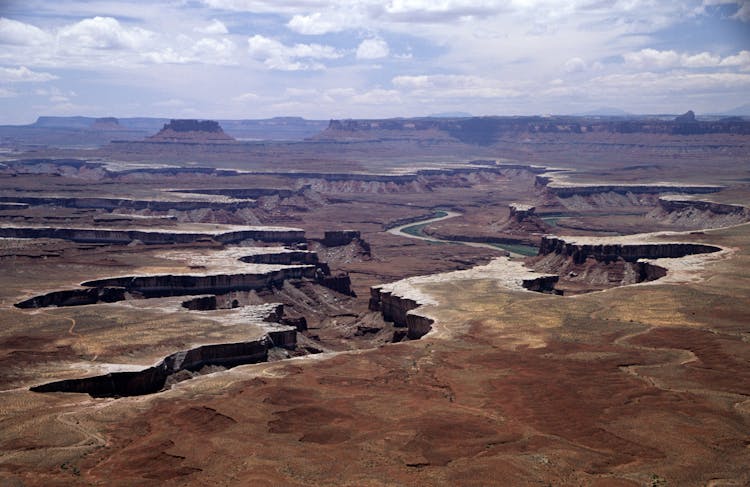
(688, 212)
(521, 212)
(593, 264)
(337, 238)
(154, 236)
(187, 130)
(489, 130)
(568, 190)
(581, 250)
(106, 123)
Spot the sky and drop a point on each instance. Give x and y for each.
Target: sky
(323, 59)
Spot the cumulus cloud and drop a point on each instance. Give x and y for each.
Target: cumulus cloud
(654, 59)
(245, 97)
(372, 49)
(575, 65)
(454, 86)
(315, 24)
(103, 33)
(677, 82)
(24, 74)
(299, 57)
(215, 27)
(440, 10)
(741, 60)
(20, 33)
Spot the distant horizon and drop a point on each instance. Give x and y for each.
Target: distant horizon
(225, 59)
(589, 114)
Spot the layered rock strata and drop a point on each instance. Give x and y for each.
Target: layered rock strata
(118, 383)
(402, 302)
(186, 130)
(682, 211)
(590, 264)
(120, 236)
(602, 250)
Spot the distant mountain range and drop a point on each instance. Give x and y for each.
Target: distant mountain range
(740, 111)
(90, 131)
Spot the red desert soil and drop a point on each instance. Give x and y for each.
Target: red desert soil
(644, 384)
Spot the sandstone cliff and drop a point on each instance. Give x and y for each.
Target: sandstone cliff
(191, 131)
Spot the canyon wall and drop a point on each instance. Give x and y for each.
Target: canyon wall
(114, 236)
(182, 284)
(396, 309)
(153, 379)
(606, 252)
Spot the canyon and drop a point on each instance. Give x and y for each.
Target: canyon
(388, 302)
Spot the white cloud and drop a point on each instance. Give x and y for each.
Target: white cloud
(669, 83)
(454, 86)
(5, 93)
(372, 49)
(298, 57)
(654, 59)
(266, 6)
(575, 65)
(315, 24)
(102, 33)
(214, 51)
(204, 51)
(743, 13)
(441, 10)
(216, 27)
(24, 74)
(19, 33)
(171, 103)
(376, 97)
(245, 97)
(741, 60)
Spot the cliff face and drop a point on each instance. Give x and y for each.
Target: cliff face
(584, 267)
(113, 236)
(487, 130)
(396, 309)
(579, 252)
(191, 131)
(178, 285)
(698, 214)
(153, 379)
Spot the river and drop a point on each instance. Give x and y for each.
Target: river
(414, 230)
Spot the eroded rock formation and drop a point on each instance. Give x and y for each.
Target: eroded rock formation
(191, 131)
(153, 379)
(120, 236)
(690, 213)
(586, 265)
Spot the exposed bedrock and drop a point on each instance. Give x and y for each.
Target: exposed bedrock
(192, 130)
(521, 212)
(13, 206)
(243, 193)
(153, 379)
(585, 267)
(543, 284)
(283, 258)
(75, 297)
(602, 252)
(337, 238)
(672, 204)
(565, 191)
(396, 309)
(341, 283)
(113, 236)
(179, 285)
(698, 214)
(134, 204)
